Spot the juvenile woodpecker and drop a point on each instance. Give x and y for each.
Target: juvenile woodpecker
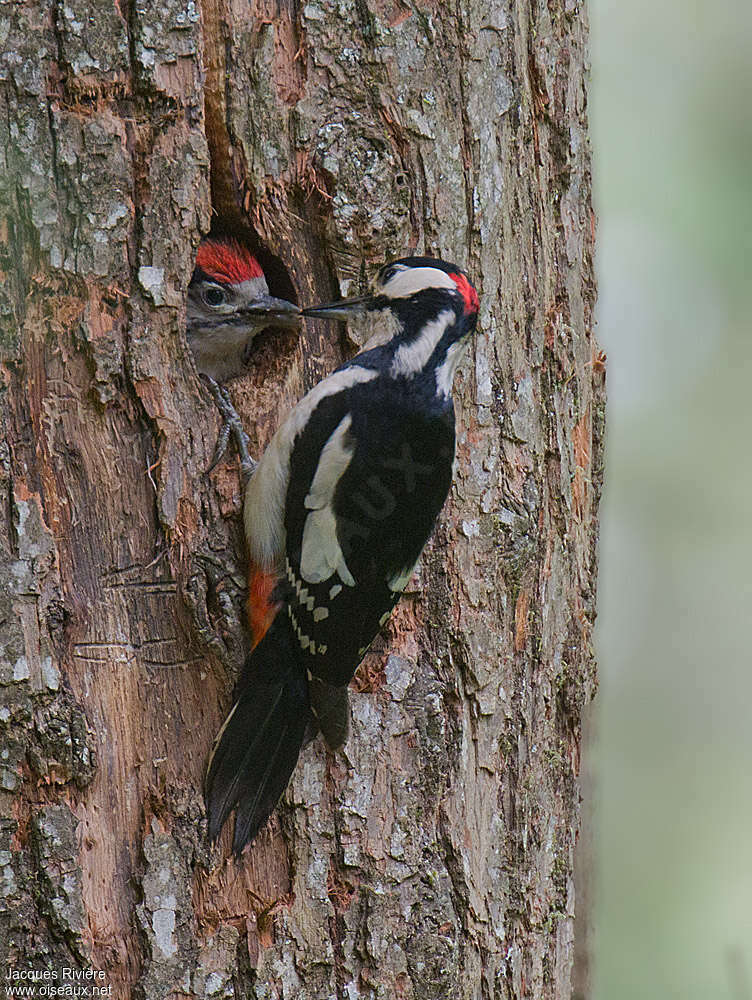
(336, 516)
(228, 306)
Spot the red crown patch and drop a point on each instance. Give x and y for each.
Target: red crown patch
(227, 261)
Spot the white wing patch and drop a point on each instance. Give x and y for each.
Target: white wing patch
(406, 281)
(409, 359)
(266, 492)
(335, 457)
(321, 555)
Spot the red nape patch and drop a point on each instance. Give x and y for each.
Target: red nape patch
(469, 295)
(262, 610)
(227, 261)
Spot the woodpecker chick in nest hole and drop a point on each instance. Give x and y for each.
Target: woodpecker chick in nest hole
(228, 306)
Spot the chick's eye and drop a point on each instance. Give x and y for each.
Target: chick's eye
(214, 296)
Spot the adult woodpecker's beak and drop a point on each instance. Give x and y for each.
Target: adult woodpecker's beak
(277, 312)
(344, 309)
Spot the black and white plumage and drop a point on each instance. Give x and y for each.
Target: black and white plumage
(336, 515)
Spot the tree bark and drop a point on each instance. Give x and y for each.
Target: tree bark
(433, 857)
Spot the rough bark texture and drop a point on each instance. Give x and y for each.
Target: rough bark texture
(434, 856)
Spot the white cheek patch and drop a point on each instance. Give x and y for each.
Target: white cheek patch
(407, 282)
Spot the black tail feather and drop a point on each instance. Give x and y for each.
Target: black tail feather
(330, 708)
(257, 747)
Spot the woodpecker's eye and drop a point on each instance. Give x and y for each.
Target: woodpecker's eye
(387, 273)
(214, 296)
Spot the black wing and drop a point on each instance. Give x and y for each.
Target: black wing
(366, 485)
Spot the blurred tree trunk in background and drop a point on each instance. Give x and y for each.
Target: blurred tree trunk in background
(434, 856)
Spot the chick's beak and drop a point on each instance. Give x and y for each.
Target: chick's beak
(277, 312)
(344, 309)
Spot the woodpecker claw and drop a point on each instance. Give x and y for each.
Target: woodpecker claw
(220, 447)
(232, 425)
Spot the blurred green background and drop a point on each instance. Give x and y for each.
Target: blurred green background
(671, 117)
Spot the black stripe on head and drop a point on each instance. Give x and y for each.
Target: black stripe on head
(418, 309)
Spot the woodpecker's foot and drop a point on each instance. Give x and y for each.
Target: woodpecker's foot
(232, 425)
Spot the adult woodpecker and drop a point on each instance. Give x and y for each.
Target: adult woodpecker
(336, 515)
(228, 306)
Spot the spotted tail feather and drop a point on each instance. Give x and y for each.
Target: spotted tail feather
(257, 748)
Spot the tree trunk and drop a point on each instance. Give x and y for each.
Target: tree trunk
(433, 857)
